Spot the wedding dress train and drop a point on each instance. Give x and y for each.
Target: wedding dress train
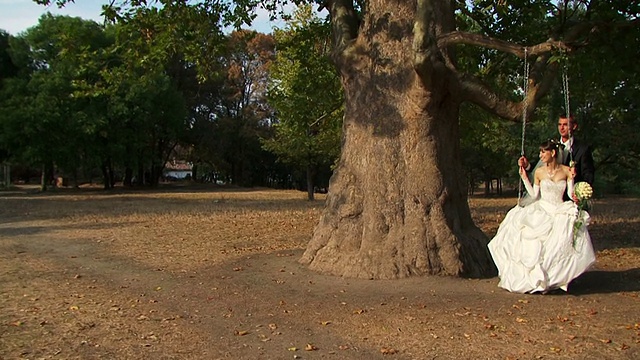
(535, 249)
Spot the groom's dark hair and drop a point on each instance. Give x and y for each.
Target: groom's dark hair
(572, 119)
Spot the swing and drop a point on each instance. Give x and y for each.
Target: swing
(565, 90)
(525, 90)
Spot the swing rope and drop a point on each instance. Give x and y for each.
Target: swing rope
(567, 107)
(565, 89)
(525, 90)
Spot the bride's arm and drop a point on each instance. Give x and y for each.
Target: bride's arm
(570, 183)
(570, 188)
(532, 190)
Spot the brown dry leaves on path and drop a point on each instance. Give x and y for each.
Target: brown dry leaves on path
(205, 273)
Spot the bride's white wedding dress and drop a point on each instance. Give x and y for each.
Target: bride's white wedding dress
(534, 248)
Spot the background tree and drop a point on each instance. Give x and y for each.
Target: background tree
(604, 97)
(243, 116)
(44, 115)
(8, 69)
(306, 95)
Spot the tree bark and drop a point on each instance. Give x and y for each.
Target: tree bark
(128, 177)
(106, 174)
(397, 203)
(310, 185)
(43, 178)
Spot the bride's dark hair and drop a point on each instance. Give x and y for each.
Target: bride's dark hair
(552, 145)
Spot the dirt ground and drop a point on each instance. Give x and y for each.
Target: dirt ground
(209, 273)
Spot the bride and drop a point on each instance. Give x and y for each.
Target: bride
(535, 249)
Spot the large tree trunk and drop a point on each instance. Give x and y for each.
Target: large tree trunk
(397, 203)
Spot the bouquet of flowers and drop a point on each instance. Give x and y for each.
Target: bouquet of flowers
(583, 193)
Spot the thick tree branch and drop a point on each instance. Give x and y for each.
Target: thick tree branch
(432, 18)
(460, 37)
(539, 83)
(344, 23)
(481, 94)
(422, 42)
(568, 44)
(541, 76)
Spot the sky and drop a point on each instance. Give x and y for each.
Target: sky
(18, 15)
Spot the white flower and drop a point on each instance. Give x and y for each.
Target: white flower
(583, 191)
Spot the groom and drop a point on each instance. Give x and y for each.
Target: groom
(580, 152)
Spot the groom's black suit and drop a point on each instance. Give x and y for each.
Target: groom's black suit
(585, 168)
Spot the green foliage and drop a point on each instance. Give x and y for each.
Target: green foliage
(305, 92)
(166, 73)
(85, 104)
(603, 87)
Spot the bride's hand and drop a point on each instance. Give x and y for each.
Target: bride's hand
(523, 172)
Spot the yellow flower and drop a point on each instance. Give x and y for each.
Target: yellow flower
(583, 192)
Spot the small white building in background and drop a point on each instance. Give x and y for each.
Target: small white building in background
(177, 170)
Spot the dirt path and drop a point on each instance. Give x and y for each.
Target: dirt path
(210, 275)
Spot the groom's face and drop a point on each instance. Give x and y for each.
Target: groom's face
(563, 127)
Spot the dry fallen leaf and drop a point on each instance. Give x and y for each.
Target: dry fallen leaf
(310, 347)
(521, 320)
(325, 323)
(606, 341)
(388, 351)
(241, 332)
(293, 348)
(273, 326)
